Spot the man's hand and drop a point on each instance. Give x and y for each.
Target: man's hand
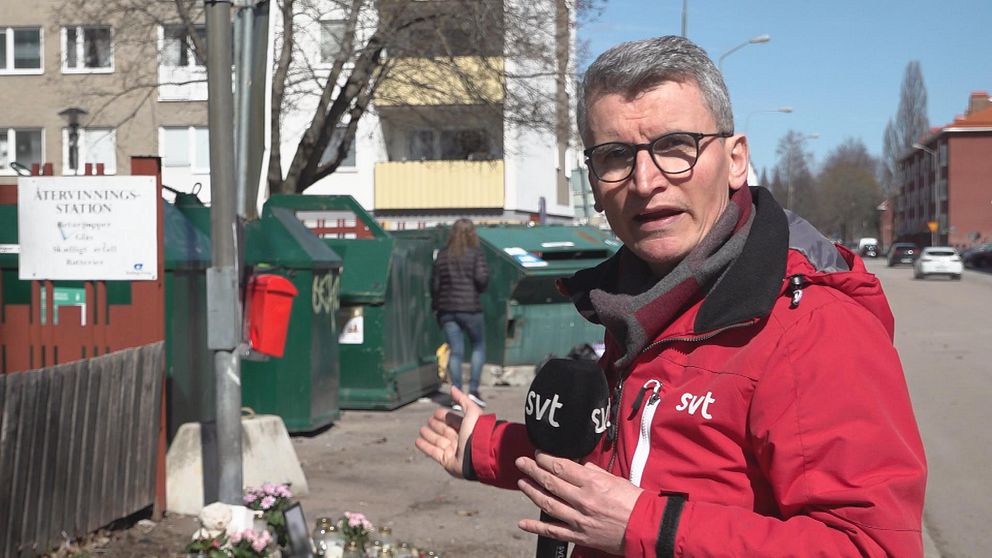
(591, 505)
(444, 436)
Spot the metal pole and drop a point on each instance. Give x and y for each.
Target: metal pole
(223, 300)
(936, 198)
(685, 16)
(245, 20)
(934, 235)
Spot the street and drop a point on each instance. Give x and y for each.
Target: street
(943, 333)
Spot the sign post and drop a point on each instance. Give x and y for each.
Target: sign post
(932, 225)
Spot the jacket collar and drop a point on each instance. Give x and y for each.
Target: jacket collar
(752, 283)
(747, 290)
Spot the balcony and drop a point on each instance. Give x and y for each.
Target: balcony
(439, 184)
(460, 80)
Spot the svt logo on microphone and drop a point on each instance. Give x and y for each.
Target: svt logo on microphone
(538, 406)
(549, 406)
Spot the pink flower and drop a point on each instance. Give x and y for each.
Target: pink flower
(268, 502)
(283, 491)
(269, 488)
(235, 538)
(261, 542)
(249, 498)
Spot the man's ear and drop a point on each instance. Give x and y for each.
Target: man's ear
(595, 195)
(737, 150)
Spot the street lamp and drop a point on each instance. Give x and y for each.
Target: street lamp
(935, 233)
(747, 121)
(756, 40)
(72, 116)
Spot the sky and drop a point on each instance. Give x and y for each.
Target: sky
(838, 64)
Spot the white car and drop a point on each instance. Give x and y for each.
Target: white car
(938, 260)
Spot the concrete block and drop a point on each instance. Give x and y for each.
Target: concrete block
(267, 456)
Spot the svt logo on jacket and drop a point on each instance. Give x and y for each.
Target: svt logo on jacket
(691, 403)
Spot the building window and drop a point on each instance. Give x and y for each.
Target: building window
(186, 146)
(471, 145)
(177, 46)
(450, 145)
(20, 50)
(96, 146)
(336, 137)
(87, 49)
(422, 145)
(24, 146)
(331, 39)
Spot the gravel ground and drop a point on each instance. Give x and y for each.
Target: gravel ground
(366, 462)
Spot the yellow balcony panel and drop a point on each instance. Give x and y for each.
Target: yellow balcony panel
(462, 80)
(439, 184)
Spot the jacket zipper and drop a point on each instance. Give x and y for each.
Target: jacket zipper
(640, 458)
(613, 427)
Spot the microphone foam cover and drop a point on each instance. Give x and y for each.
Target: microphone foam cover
(567, 407)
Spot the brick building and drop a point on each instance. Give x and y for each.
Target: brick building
(959, 155)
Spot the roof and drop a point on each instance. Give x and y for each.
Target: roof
(977, 119)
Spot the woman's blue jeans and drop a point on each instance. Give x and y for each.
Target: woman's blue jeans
(456, 325)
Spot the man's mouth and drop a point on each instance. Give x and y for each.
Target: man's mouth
(656, 215)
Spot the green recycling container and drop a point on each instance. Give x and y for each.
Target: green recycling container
(188, 361)
(386, 337)
(527, 319)
(302, 386)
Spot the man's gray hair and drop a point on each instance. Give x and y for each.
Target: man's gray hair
(634, 67)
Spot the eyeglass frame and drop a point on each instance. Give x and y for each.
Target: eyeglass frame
(696, 136)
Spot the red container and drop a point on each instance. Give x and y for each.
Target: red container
(269, 304)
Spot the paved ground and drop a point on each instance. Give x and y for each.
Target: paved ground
(367, 462)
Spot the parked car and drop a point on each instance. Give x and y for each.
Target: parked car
(869, 251)
(938, 260)
(903, 253)
(978, 256)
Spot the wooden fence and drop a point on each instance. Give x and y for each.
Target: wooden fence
(78, 445)
(82, 443)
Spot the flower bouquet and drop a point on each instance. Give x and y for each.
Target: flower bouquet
(206, 545)
(272, 500)
(249, 544)
(355, 527)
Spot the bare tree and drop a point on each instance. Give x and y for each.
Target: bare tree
(849, 193)
(911, 122)
(793, 177)
(366, 60)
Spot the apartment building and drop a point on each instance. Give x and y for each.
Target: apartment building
(955, 159)
(85, 74)
(443, 137)
(77, 74)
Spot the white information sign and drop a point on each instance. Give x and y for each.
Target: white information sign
(353, 332)
(87, 227)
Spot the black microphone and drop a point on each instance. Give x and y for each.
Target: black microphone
(566, 413)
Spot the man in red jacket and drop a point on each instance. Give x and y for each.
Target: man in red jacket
(758, 405)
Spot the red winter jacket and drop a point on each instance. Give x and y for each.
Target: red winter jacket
(782, 424)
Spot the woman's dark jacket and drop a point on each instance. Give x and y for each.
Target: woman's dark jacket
(457, 282)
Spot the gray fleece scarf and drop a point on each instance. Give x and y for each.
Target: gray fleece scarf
(635, 305)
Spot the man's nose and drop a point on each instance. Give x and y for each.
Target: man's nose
(647, 177)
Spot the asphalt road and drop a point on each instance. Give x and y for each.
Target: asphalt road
(944, 337)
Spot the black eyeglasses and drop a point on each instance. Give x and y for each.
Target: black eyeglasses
(673, 153)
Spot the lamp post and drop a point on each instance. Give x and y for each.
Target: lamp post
(788, 189)
(747, 121)
(935, 233)
(72, 116)
(756, 40)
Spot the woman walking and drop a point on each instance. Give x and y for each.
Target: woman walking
(458, 277)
